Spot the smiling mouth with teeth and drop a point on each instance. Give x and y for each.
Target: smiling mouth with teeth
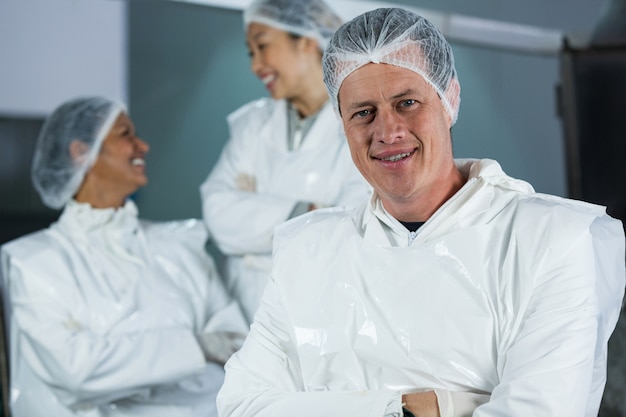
(395, 158)
(138, 162)
(267, 79)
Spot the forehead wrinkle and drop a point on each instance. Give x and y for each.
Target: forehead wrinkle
(372, 102)
(407, 92)
(359, 103)
(378, 88)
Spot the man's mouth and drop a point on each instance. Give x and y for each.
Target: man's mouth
(138, 162)
(397, 157)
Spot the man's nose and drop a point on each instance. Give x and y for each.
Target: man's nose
(388, 127)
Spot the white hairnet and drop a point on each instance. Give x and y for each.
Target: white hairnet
(397, 37)
(309, 18)
(57, 175)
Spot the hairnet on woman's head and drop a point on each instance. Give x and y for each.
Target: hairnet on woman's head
(309, 18)
(397, 37)
(56, 174)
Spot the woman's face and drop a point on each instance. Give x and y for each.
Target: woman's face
(120, 166)
(283, 63)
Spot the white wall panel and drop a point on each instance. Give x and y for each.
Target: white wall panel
(54, 50)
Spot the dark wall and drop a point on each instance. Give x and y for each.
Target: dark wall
(21, 210)
(189, 69)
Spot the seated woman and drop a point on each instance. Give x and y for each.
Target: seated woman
(111, 315)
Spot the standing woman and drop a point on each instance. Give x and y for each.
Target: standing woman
(111, 315)
(286, 154)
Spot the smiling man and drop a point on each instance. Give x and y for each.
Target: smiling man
(455, 290)
(399, 137)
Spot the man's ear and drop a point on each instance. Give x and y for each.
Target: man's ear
(453, 93)
(78, 150)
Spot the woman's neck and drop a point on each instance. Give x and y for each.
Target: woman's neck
(312, 98)
(100, 196)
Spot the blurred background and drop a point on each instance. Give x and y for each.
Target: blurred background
(549, 109)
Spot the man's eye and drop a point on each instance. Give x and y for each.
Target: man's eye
(362, 113)
(408, 103)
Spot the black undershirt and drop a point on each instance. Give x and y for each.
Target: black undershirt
(412, 226)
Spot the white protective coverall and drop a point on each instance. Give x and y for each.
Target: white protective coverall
(241, 219)
(105, 309)
(502, 291)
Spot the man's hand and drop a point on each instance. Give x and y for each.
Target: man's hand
(422, 404)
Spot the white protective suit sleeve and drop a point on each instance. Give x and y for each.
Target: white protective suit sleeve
(241, 219)
(274, 389)
(263, 378)
(90, 366)
(86, 366)
(549, 366)
(458, 404)
(244, 220)
(546, 358)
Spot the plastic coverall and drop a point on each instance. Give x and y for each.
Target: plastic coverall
(502, 291)
(242, 221)
(105, 309)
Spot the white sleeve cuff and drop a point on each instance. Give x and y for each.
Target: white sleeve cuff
(394, 406)
(458, 404)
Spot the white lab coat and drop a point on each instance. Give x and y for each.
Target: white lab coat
(502, 291)
(242, 221)
(103, 315)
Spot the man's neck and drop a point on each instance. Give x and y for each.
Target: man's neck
(420, 207)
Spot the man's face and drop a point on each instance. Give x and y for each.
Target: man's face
(398, 133)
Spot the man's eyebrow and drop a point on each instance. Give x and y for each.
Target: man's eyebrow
(367, 103)
(407, 92)
(360, 104)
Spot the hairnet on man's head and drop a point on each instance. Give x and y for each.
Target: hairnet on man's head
(397, 37)
(309, 18)
(56, 174)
